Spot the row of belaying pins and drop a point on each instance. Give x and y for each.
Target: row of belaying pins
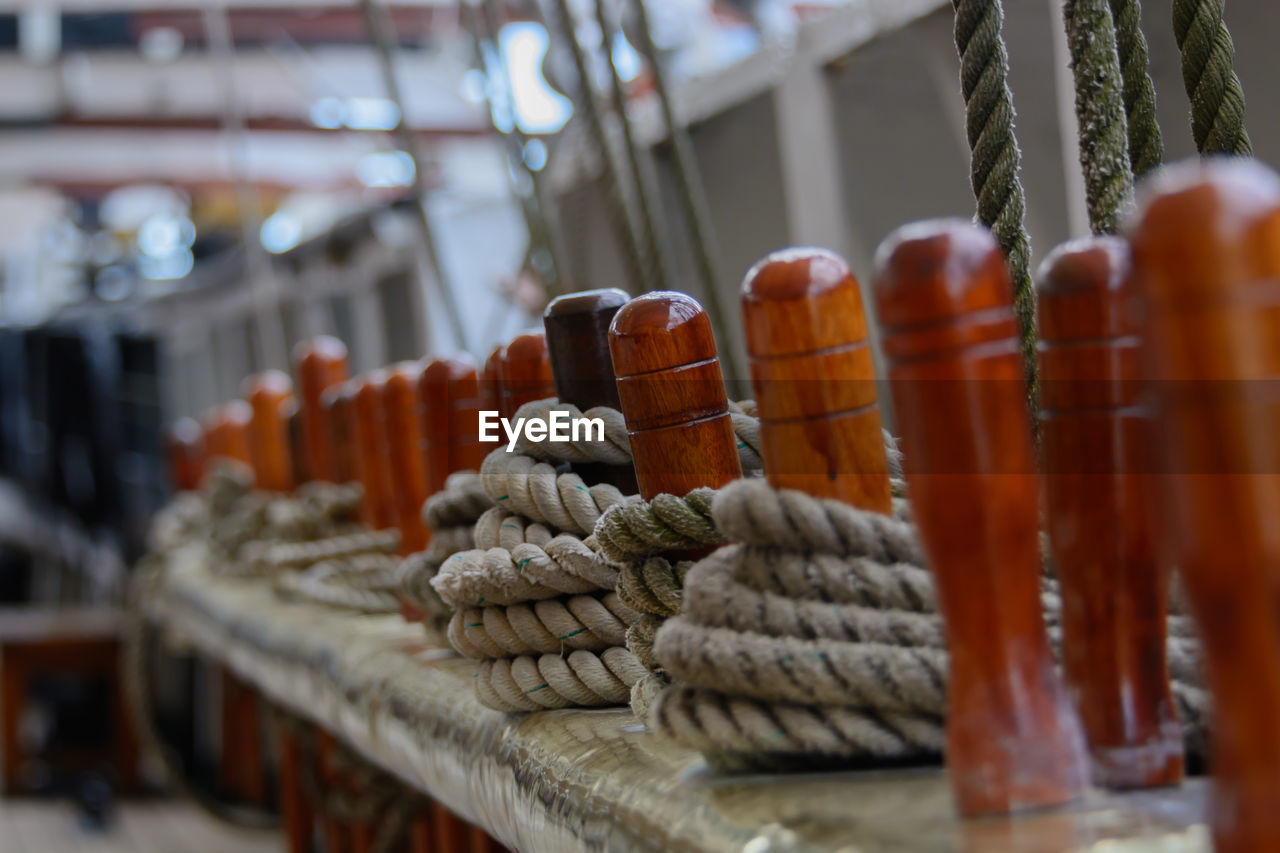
(1159, 448)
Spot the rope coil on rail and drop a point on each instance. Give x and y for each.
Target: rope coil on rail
(816, 637)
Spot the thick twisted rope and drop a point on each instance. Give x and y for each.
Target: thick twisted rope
(550, 626)
(1217, 99)
(615, 449)
(533, 489)
(818, 635)
(1146, 147)
(366, 583)
(451, 515)
(996, 159)
(1100, 112)
(580, 679)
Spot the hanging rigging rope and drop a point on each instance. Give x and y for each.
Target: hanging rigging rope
(1217, 100)
(1100, 115)
(618, 202)
(984, 69)
(1146, 147)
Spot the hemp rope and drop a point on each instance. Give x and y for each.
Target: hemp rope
(1146, 147)
(450, 514)
(532, 585)
(365, 583)
(818, 635)
(1217, 99)
(1100, 112)
(579, 679)
(996, 158)
(616, 447)
(541, 627)
(635, 535)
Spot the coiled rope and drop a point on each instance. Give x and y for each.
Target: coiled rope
(816, 637)
(1217, 99)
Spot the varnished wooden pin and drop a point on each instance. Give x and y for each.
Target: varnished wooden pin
(672, 395)
(577, 333)
(951, 342)
(491, 381)
(234, 425)
(525, 372)
(1095, 442)
(321, 363)
(300, 470)
(814, 380)
(265, 393)
(337, 407)
(1206, 257)
(187, 454)
(371, 450)
(449, 395)
(404, 447)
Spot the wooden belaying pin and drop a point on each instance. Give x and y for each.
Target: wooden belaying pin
(404, 449)
(1206, 259)
(337, 407)
(951, 343)
(371, 450)
(299, 470)
(577, 328)
(672, 395)
(265, 393)
(524, 372)
(187, 454)
(814, 380)
(321, 363)
(491, 381)
(1096, 450)
(449, 397)
(233, 421)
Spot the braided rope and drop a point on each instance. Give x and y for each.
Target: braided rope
(996, 159)
(580, 679)
(1100, 112)
(1146, 147)
(550, 626)
(1217, 99)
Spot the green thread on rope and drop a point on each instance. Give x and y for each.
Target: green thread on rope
(984, 69)
(1217, 99)
(1146, 146)
(1100, 117)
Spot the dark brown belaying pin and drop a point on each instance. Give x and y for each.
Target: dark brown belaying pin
(371, 449)
(577, 327)
(814, 380)
(951, 343)
(1206, 258)
(266, 393)
(672, 395)
(404, 452)
(525, 372)
(321, 363)
(1096, 463)
(491, 381)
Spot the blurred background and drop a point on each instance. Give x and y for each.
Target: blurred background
(188, 189)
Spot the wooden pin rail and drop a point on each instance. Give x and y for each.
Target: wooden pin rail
(672, 395)
(1206, 257)
(814, 380)
(944, 298)
(1096, 443)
